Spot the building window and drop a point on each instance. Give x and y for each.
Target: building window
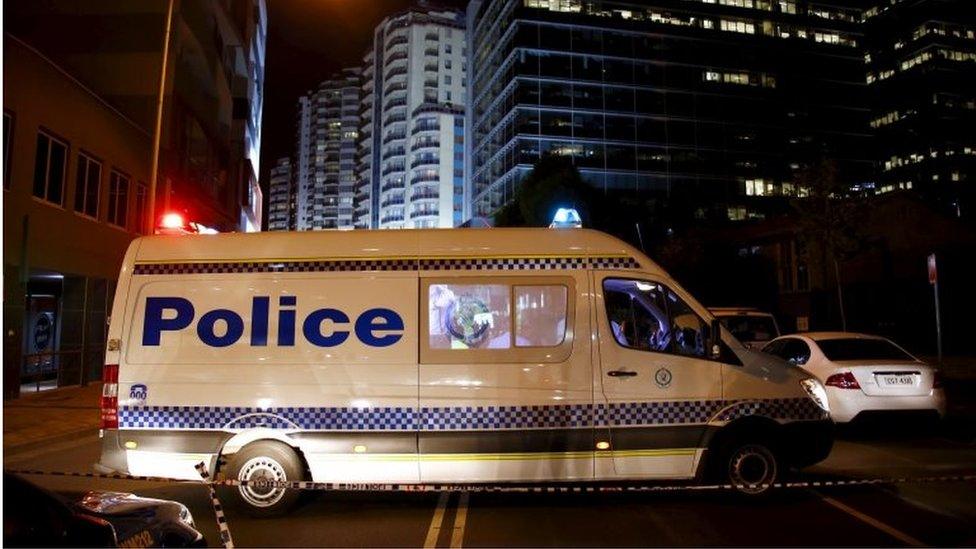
(447, 63)
(88, 185)
(447, 48)
(49, 168)
(142, 202)
(8, 128)
(737, 26)
(118, 198)
(447, 80)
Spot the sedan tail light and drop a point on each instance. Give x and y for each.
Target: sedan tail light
(110, 397)
(845, 380)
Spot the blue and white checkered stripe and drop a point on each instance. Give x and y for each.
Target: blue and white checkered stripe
(423, 264)
(681, 412)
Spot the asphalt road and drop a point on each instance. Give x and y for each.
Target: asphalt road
(939, 514)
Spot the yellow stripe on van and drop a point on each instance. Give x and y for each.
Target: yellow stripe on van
(522, 456)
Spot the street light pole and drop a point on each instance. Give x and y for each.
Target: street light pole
(157, 134)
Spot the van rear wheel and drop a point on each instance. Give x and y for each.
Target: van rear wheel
(261, 462)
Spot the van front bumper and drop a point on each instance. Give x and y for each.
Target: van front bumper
(807, 442)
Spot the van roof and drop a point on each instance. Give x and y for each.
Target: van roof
(386, 244)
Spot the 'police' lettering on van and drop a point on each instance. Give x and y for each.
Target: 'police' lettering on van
(376, 327)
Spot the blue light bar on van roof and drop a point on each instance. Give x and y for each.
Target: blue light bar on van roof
(566, 218)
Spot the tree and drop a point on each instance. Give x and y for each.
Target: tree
(554, 182)
(828, 218)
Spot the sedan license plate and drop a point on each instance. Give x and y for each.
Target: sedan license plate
(896, 380)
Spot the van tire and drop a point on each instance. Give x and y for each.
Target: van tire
(750, 465)
(270, 460)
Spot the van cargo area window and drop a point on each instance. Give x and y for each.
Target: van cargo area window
(469, 316)
(647, 316)
(540, 316)
(498, 319)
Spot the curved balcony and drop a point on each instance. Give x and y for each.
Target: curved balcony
(394, 118)
(395, 71)
(425, 161)
(425, 213)
(425, 128)
(399, 102)
(425, 195)
(428, 143)
(394, 137)
(392, 185)
(396, 56)
(396, 41)
(394, 218)
(393, 153)
(425, 178)
(395, 87)
(397, 201)
(392, 169)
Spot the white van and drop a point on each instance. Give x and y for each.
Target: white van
(433, 356)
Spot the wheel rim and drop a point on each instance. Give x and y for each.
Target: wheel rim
(752, 469)
(259, 472)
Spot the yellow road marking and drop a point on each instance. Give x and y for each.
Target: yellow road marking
(460, 518)
(436, 521)
(891, 531)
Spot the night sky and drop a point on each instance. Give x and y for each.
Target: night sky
(308, 40)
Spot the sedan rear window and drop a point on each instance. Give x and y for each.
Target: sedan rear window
(861, 349)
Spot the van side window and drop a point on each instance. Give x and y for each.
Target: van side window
(638, 314)
(688, 328)
(647, 316)
(469, 316)
(540, 315)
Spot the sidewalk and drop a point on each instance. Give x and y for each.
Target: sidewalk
(49, 416)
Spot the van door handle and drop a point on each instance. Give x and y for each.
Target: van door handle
(621, 373)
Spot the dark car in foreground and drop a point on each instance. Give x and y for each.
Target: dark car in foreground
(33, 517)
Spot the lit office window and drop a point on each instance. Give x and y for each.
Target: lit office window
(732, 25)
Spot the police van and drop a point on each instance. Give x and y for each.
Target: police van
(436, 356)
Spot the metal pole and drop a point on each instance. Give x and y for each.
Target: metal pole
(640, 237)
(157, 134)
(938, 321)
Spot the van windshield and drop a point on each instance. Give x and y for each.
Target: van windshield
(750, 327)
(861, 349)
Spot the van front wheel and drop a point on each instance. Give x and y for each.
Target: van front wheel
(262, 462)
(750, 467)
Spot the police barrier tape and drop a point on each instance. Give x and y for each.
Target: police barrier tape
(218, 509)
(499, 488)
(228, 541)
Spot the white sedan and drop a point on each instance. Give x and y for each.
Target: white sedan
(863, 373)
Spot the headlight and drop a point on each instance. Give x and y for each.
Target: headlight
(816, 392)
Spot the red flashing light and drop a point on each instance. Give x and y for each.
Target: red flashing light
(173, 221)
(845, 380)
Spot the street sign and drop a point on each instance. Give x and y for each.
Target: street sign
(933, 271)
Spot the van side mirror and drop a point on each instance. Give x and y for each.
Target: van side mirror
(715, 339)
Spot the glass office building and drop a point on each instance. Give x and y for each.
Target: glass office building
(921, 59)
(725, 100)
